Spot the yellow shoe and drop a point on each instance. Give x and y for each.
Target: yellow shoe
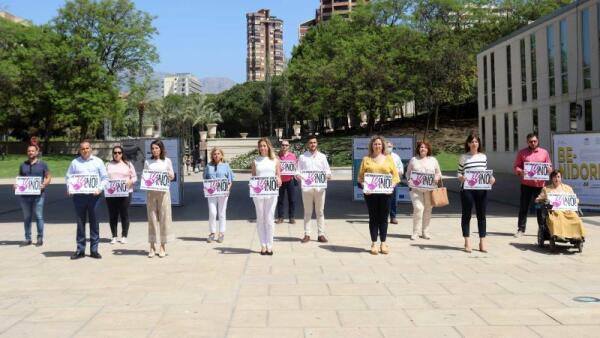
(374, 250)
(384, 248)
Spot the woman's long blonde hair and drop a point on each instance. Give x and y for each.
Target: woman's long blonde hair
(373, 139)
(214, 150)
(269, 147)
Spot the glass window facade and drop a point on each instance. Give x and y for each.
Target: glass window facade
(587, 111)
(493, 71)
(494, 133)
(523, 72)
(551, 51)
(586, 57)
(485, 83)
(553, 119)
(509, 75)
(564, 61)
(483, 131)
(536, 121)
(506, 133)
(515, 118)
(533, 67)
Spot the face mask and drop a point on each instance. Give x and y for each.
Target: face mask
(388, 150)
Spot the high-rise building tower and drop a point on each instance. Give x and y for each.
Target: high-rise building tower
(326, 9)
(265, 46)
(180, 84)
(15, 19)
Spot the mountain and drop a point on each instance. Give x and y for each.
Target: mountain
(215, 85)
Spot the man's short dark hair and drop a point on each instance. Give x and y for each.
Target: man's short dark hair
(310, 137)
(531, 135)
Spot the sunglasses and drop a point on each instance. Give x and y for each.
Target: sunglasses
(117, 153)
(285, 145)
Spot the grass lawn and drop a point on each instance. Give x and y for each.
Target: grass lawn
(448, 161)
(58, 164)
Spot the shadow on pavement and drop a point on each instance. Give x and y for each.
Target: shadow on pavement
(128, 252)
(342, 248)
(560, 249)
(234, 251)
(493, 233)
(286, 239)
(11, 243)
(437, 247)
(192, 239)
(57, 253)
(398, 236)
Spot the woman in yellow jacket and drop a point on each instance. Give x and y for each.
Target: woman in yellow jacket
(378, 204)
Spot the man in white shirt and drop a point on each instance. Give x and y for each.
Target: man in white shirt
(389, 149)
(313, 198)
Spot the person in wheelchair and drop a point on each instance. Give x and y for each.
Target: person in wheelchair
(562, 224)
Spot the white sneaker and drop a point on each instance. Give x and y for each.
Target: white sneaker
(123, 240)
(114, 240)
(519, 234)
(426, 236)
(413, 237)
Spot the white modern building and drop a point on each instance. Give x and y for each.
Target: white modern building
(545, 78)
(180, 84)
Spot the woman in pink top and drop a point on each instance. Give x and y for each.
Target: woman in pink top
(120, 169)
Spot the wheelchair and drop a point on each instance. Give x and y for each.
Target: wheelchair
(545, 235)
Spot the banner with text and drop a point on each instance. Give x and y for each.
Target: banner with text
(478, 179)
(155, 180)
(28, 185)
(116, 188)
(563, 202)
(536, 171)
(378, 184)
(263, 186)
(83, 184)
(218, 187)
(314, 179)
(422, 180)
(288, 168)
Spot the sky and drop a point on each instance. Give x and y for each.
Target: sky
(204, 37)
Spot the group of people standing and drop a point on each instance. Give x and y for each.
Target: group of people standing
(270, 209)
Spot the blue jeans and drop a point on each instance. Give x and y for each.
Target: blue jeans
(30, 205)
(85, 208)
(290, 188)
(394, 203)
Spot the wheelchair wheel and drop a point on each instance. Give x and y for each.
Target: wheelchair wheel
(579, 246)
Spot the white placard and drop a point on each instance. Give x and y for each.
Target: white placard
(83, 184)
(263, 186)
(116, 188)
(563, 202)
(536, 171)
(378, 184)
(288, 168)
(155, 180)
(478, 179)
(314, 179)
(28, 185)
(422, 180)
(218, 187)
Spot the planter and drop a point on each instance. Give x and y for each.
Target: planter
(279, 132)
(203, 135)
(148, 130)
(297, 127)
(243, 135)
(212, 129)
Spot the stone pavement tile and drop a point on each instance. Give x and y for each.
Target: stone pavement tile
(299, 290)
(342, 333)
(580, 286)
(265, 333)
(268, 303)
(397, 302)
(295, 269)
(524, 288)
(116, 333)
(249, 318)
(568, 300)
(332, 303)
(420, 332)
(269, 279)
(496, 331)
(62, 314)
(515, 316)
(308, 318)
(196, 312)
(524, 301)
(189, 328)
(358, 289)
(258, 270)
(425, 288)
(341, 277)
(130, 320)
(48, 330)
(464, 301)
(579, 331)
(453, 317)
(374, 318)
(431, 277)
(172, 297)
(481, 276)
(113, 298)
(575, 316)
(110, 308)
(254, 290)
(6, 321)
(50, 298)
(461, 288)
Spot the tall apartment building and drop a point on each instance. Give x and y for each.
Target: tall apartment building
(326, 9)
(180, 84)
(544, 78)
(13, 18)
(264, 46)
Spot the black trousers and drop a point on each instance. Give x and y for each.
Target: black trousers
(118, 206)
(379, 209)
(528, 194)
(290, 187)
(469, 198)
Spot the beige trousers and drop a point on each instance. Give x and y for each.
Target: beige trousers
(421, 201)
(158, 205)
(312, 199)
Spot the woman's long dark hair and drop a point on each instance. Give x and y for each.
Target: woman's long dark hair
(123, 156)
(160, 144)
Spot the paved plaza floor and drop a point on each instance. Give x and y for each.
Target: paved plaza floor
(423, 288)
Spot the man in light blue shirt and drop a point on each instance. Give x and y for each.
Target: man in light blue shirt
(86, 204)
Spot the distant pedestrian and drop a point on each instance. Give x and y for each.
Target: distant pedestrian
(314, 198)
(422, 162)
(288, 184)
(120, 169)
(86, 204)
(34, 204)
(530, 189)
(473, 159)
(378, 204)
(389, 150)
(266, 165)
(217, 206)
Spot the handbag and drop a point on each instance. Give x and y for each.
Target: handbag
(439, 196)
